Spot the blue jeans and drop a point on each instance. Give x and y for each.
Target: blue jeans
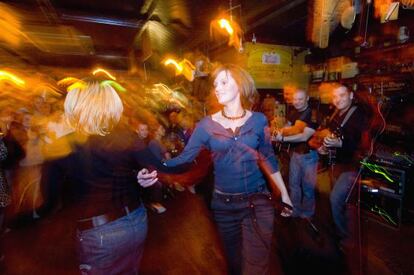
(115, 247)
(303, 169)
(339, 193)
(245, 224)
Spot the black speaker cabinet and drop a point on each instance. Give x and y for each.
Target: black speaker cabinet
(382, 193)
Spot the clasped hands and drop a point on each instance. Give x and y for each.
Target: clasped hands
(147, 179)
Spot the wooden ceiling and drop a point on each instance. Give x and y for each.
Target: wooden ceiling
(119, 34)
(85, 32)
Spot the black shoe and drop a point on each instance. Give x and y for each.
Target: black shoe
(158, 207)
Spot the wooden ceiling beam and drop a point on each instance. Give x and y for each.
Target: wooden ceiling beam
(285, 8)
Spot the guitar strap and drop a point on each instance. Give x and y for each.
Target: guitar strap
(346, 118)
(348, 115)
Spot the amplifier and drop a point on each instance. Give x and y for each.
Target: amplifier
(382, 192)
(386, 210)
(379, 178)
(392, 158)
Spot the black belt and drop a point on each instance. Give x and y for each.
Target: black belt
(115, 214)
(228, 197)
(300, 148)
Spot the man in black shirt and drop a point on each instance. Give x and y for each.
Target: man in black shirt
(346, 125)
(303, 161)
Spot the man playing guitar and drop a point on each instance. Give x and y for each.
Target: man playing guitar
(303, 161)
(351, 122)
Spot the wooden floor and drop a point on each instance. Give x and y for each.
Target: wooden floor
(183, 240)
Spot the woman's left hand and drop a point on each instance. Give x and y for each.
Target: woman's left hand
(287, 209)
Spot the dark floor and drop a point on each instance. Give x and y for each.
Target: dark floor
(183, 240)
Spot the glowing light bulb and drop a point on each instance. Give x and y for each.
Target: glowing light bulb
(225, 24)
(170, 61)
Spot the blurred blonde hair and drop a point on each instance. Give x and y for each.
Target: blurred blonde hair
(248, 93)
(93, 108)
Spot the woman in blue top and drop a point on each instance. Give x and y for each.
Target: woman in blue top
(239, 141)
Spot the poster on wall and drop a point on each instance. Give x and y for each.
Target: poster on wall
(269, 65)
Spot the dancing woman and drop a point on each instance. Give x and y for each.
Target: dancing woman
(101, 168)
(243, 157)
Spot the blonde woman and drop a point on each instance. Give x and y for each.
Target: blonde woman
(101, 169)
(239, 141)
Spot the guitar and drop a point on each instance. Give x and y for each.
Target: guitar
(294, 129)
(316, 143)
(280, 147)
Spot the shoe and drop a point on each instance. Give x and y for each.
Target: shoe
(191, 189)
(179, 187)
(35, 215)
(158, 207)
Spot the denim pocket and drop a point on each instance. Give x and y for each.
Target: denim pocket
(103, 245)
(312, 156)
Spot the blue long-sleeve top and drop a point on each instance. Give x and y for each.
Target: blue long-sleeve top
(239, 157)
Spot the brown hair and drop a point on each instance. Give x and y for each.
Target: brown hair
(244, 81)
(336, 85)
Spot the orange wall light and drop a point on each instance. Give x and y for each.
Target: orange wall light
(4, 75)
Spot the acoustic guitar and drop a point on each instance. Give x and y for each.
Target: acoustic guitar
(316, 143)
(295, 129)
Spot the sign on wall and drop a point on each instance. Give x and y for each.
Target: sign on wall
(274, 66)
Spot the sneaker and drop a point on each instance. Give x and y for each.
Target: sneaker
(178, 187)
(191, 189)
(158, 207)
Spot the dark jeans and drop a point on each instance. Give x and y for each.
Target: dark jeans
(342, 186)
(245, 224)
(115, 247)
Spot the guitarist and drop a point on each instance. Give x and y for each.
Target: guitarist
(303, 161)
(351, 121)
